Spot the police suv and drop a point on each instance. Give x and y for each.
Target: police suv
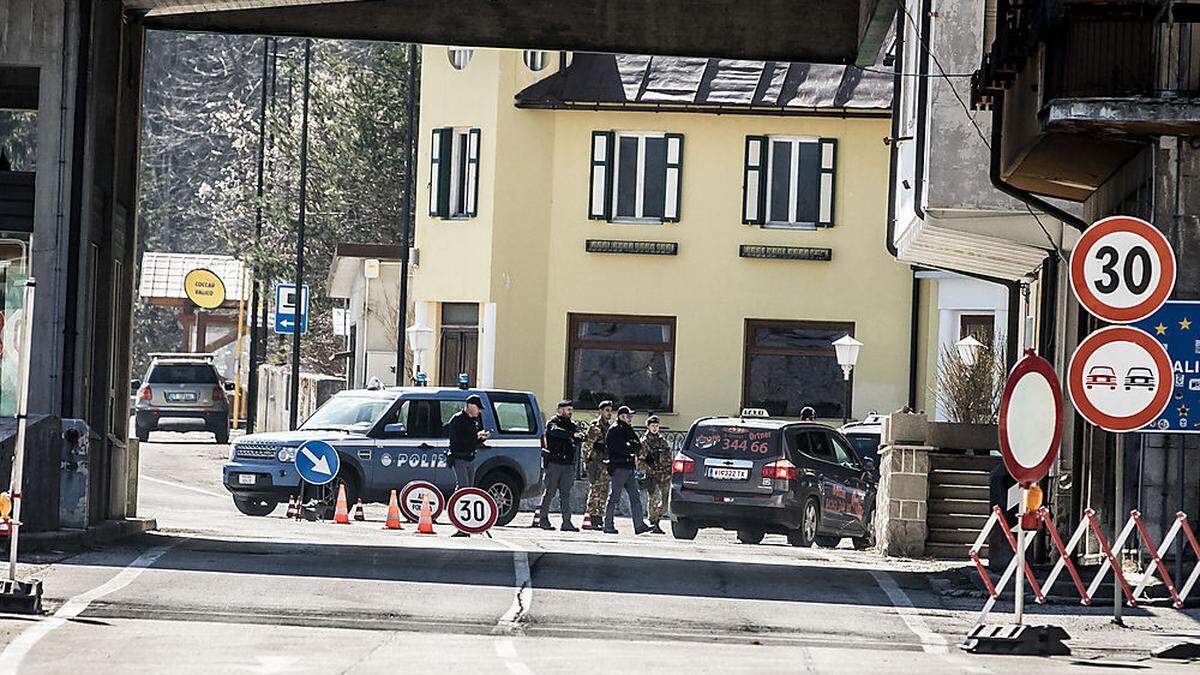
(388, 437)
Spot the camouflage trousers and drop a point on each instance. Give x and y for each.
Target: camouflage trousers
(597, 491)
(658, 491)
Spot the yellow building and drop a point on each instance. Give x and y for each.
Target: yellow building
(685, 236)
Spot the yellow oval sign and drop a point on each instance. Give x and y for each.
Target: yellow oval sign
(204, 288)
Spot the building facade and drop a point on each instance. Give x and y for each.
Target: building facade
(592, 228)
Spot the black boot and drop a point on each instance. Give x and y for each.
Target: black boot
(656, 529)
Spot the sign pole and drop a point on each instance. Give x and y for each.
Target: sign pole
(18, 465)
(1118, 509)
(1019, 603)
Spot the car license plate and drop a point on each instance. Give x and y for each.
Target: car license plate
(728, 474)
(247, 479)
(181, 396)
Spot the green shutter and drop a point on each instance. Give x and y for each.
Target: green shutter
(471, 185)
(600, 181)
(828, 176)
(441, 163)
(674, 182)
(754, 181)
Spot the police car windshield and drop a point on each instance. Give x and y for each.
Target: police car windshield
(358, 413)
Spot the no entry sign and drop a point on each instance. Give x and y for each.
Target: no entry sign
(1120, 378)
(1030, 419)
(472, 510)
(413, 494)
(1122, 269)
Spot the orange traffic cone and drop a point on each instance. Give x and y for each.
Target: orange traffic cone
(340, 514)
(293, 507)
(537, 516)
(359, 515)
(393, 517)
(587, 520)
(425, 523)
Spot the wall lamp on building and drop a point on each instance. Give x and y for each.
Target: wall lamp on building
(420, 337)
(846, 349)
(968, 350)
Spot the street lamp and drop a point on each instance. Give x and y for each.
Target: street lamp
(420, 337)
(846, 349)
(968, 350)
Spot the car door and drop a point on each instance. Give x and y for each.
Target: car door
(831, 476)
(420, 453)
(856, 483)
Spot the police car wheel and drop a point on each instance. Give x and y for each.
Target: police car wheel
(750, 536)
(254, 506)
(503, 489)
(329, 493)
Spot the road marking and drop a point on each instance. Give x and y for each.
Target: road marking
(14, 653)
(510, 623)
(506, 650)
(181, 486)
(931, 642)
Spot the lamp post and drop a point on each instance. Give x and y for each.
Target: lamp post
(420, 337)
(968, 350)
(846, 349)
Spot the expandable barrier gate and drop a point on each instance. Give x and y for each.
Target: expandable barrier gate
(1064, 561)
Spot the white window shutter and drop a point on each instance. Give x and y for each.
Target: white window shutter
(471, 185)
(440, 164)
(600, 183)
(674, 177)
(754, 183)
(828, 174)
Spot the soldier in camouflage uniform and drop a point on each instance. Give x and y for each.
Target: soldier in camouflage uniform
(594, 454)
(655, 464)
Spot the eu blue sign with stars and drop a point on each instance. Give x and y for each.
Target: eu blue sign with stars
(1177, 326)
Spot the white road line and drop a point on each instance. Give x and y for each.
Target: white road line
(931, 642)
(14, 653)
(510, 623)
(181, 486)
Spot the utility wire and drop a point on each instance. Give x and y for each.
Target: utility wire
(967, 111)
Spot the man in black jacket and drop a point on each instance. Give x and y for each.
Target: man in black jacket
(558, 460)
(466, 436)
(623, 447)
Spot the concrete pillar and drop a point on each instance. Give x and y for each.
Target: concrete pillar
(901, 503)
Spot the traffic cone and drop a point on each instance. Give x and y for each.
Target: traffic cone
(587, 520)
(340, 514)
(293, 507)
(359, 515)
(537, 516)
(393, 517)
(425, 523)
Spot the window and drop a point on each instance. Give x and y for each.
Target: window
(980, 326)
(535, 60)
(789, 181)
(792, 364)
(182, 374)
(635, 177)
(629, 360)
(514, 414)
(459, 56)
(427, 418)
(454, 173)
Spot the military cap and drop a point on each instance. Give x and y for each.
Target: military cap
(625, 410)
(474, 398)
(653, 419)
(566, 403)
(604, 404)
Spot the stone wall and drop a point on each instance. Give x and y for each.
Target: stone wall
(274, 396)
(901, 504)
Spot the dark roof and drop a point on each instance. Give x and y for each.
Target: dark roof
(709, 83)
(381, 251)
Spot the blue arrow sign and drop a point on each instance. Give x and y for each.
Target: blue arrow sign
(1177, 326)
(285, 309)
(317, 462)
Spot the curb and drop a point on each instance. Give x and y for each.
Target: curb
(102, 533)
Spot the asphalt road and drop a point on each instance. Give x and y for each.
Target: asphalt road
(217, 591)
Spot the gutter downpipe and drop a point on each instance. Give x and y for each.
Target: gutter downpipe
(893, 170)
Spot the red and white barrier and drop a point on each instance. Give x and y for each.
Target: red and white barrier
(1065, 551)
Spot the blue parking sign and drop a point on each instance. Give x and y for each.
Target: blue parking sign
(287, 314)
(317, 462)
(1177, 326)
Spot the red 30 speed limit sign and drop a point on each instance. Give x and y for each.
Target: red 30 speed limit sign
(472, 510)
(1122, 269)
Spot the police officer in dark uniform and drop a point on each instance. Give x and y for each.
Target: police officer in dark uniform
(466, 437)
(558, 463)
(623, 447)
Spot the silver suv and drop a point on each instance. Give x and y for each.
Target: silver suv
(181, 386)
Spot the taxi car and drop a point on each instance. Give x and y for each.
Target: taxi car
(757, 475)
(387, 438)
